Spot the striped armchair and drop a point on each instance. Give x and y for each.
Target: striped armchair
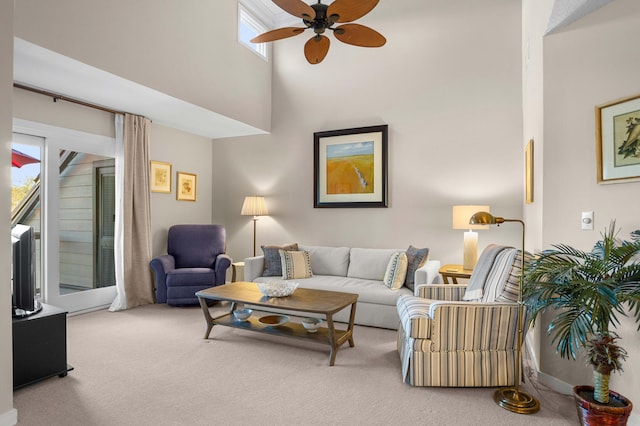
(445, 340)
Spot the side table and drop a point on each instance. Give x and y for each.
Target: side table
(235, 267)
(453, 272)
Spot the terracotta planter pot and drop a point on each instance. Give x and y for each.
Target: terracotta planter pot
(592, 413)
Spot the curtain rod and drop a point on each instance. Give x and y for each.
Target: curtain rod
(57, 97)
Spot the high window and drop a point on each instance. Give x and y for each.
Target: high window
(249, 27)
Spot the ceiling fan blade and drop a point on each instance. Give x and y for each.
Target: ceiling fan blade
(278, 34)
(316, 48)
(359, 35)
(350, 10)
(297, 8)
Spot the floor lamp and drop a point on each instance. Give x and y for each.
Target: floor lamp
(512, 398)
(254, 206)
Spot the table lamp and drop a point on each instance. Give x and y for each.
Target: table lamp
(512, 398)
(254, 206)
(460, 220)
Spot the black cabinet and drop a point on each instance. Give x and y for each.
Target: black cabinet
(39, 346)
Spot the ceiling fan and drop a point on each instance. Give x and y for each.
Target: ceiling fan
(321, 17)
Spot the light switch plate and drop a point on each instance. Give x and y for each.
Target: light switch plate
(587, 221)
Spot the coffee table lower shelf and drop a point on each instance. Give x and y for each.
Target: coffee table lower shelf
(289, 329)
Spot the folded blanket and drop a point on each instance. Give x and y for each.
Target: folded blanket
(481, 272)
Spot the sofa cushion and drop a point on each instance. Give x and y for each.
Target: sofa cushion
(190, 277)
(295, 264)
(369, 264)
(368, 291)
(416, 258)
(396, 271)
(328, 260)
(272, 261)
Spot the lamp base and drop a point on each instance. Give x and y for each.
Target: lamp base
(516, 401)
(470, 253)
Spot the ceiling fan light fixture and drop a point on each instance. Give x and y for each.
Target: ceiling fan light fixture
(325, 16)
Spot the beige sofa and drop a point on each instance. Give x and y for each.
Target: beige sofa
(354, 270)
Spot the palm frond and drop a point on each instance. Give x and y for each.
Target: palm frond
(587, 290)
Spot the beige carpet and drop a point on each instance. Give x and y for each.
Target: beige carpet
(151, 366)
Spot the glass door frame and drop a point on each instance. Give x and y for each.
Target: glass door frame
(57, 138)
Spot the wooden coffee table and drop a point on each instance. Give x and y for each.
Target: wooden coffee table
(322, 302)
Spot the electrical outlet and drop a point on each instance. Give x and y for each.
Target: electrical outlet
(587, 221)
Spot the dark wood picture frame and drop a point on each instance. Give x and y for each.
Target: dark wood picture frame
(350, 167)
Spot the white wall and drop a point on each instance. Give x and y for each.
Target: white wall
(448, 84)
(41, 109)
(186, 153)
(585, 65)
(7, 412)
(535, 16)
(184, 48)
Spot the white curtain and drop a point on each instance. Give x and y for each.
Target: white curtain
(120, 302)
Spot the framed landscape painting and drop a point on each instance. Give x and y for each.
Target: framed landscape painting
(618, 140)
(350, 167)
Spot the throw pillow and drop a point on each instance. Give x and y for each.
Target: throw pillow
(396, 271)
(416, 258)
(272, 262)
(498, 275)
(512, 286)
(295, 264)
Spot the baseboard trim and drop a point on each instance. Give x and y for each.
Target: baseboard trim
(9, 418)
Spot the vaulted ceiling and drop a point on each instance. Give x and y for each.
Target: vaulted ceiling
(73, 79)
(564, 12)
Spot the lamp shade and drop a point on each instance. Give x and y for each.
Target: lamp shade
(462, 215)
(254, 206)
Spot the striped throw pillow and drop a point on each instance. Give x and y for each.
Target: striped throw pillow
(512, 287)
(295, 264)
(396, 271)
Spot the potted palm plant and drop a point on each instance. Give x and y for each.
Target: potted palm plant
(589, 292)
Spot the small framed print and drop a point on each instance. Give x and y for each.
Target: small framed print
(186, 187)
(160, 177)
(618, 140)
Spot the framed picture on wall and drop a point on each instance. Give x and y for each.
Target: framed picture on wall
(186, 187)
(350, 167)
(160, 177)
(618, 140)
(528, 167)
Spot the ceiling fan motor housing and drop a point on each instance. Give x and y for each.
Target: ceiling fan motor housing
(321, 21)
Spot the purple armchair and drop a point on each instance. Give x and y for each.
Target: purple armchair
(196, 260)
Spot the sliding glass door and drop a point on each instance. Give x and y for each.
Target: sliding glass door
(26, 170)
(78, 216)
